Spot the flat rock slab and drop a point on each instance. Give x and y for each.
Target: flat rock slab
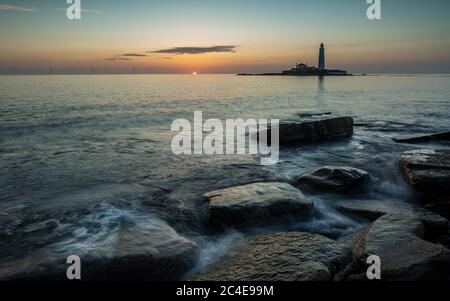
(398, 239)
(313, 114)
(147, 252)
(256, 203)
(289, 256)
(427, 172)
(297, 131)
(374, 209)
(334, 178)
(444, 136)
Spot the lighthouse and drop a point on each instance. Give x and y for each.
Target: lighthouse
(305, 70)
(321, 58)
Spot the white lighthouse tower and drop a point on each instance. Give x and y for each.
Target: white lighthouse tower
(321, 58)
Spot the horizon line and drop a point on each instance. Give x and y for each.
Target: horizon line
(197, 74)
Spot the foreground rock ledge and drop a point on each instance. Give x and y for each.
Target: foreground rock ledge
(427, 171)
(148, 252)
(374, 209)
(334, 178)
(255, 203)
(444, 136)
(290, 256)
(298, 131)
(428, 174)
(399, 240)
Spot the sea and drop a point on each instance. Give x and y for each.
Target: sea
(85, 157)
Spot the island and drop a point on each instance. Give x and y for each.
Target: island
(303, 69)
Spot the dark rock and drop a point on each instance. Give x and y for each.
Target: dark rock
(445, 136)
(313, 114)
(255, 203)
(292, 256)
(428, 174)
(314, 130)
(442, 207)
(334, 178)
(147, 252)
(362, 277)
(398, 239)
(374, 209)
(427, 171)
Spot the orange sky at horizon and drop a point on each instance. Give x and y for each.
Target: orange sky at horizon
(268, 37)
(245, 59)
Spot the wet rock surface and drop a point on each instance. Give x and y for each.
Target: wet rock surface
(423, 138)
(289, 256)
(256, 203)
(399, 240)
(441, 207)
(427, 172)
(313, 114)
(148, 252)
(374, 209)
(334, 178)
(297, 131)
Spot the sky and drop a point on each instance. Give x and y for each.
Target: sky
(232, 36)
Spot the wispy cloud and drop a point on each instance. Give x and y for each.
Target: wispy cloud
(16, 8)
(126, 57)
(117, 59)
(197, 50)
(133, 54)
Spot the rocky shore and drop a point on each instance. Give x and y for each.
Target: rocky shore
(412, 240)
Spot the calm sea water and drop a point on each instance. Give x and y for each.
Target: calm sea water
(81, 157)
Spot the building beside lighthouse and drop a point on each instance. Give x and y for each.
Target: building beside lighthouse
(302, 69)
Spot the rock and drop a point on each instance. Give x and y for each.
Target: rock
(444, 136)
(145, 252)
(290, 256)
(362, 277)
(255, 203)
(374, 209)
(297, 131)
(313, 114)
(398, 239)
(442, 207)
(428, 173)
(334, 178)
